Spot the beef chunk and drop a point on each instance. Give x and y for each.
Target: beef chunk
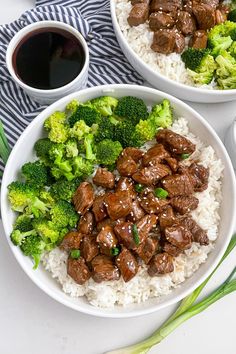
(133, 152)
(89, 247)
(212, 3)
(173, 163)
(107, 237)
(133, 2)
(161, 263)
(124, 233)
(105, 222)
(158, 20)
(165, 5)
(78, 270)
(118, 204)
(71, 241)
(198, 234)
(205, 15)
(104, 178)
(103, 269)
(184, 204)
(171, 249)
(147, 249)
(136, 213)
(178, 184)
(200, 176)
(186, 23)
(99, 208)
(220, 17)
(152, 204)
(126, 165)
(154, 155)
(179, 236)
(138, 14)
(167, 217)
(83, 197)
(167, 41)
(145, 225)
(198, 40)
(86, 223)
(175, 143)
(126, 184)
(152, 174)
(127, 264)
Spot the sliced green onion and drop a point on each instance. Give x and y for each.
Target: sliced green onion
(161, 193)
(135, 234)
(75, 254)
(115, 251)
(139, 188)
(4, 146)
(184, 156)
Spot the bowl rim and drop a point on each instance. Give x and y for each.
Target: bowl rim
(176, 84)
(100, 312)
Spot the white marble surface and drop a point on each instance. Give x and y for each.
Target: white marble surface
(33, 323)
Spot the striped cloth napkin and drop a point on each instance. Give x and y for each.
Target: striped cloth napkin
(107, 62)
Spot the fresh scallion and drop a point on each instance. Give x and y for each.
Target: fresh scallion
(139, 188)
(75, 254)
(114, 251)
(161, 193)
(135, 234)
(184, 156)
(4, 146)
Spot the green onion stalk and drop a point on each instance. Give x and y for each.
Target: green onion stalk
(186, 310)
(4, 146)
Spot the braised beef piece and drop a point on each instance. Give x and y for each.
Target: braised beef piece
(161, 263)
(167, 41)
(154, 155)
(86, 223)
(165, 5)
(158, 20)
(188, 6)
(200, 176)
(126, 184)
(105, 222)
(103, 269)
(152, 174)
(71, 241)
(83, 197)
(133, 2)
(198, 234)
(147, 249)
(125, 235)
(89, 247)
(179, 236)
(145, 225)
(212, 3)
(166, 217)
(138, 14)
(99, 208)
(133, 152)
(118, 204)
(184, 204)
(171, 249)
(205, 16)
(178, 184)
(185, 23)
(107, 238)
(152, 204)
(175, 143)
(220, 17)
(127, 264)
(126, 165)
(136, 213)
(78, 270)
(104, 178)
(198, 40)
(173, 163)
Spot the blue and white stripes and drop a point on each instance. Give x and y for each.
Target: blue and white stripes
(107, 62)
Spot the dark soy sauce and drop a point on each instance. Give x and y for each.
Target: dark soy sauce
(48, 58)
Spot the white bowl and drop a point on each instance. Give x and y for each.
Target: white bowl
(162, 82)
(23, 151)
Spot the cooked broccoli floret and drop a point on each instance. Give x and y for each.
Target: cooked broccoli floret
(72, 106)
(226, 71)
(232, 15)
(221, 36)
(107, 151)
(162, 114)
(79, 130)
(131, 108)
(105, 105)
(33, 246)
(17, 236)
(64, 215)
(71, 148)
(232, 50)
(192, 57)
(42, 147)
(57, 127)
(89, 147)
(205, 73)
(82, 167)
(23, 223)
(127, 135)
(64, 189)
(105, 130)
(35, 172)
(47, 198)
(62, 166)
(146, 129)
(47, 230)
(88, 114)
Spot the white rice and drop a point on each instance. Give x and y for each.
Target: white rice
(142, 286)
(140, 39)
